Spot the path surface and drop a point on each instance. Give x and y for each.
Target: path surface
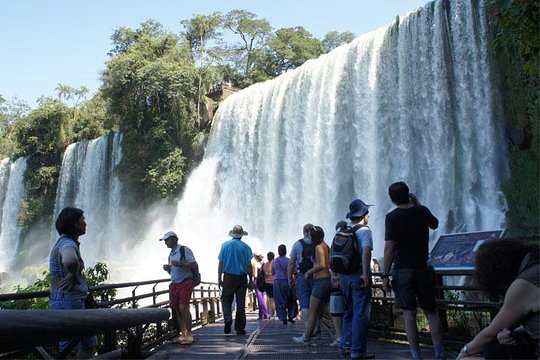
(269, 340)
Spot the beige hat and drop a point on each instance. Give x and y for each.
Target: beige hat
(237, 232)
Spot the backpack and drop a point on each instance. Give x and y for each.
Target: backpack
(306, 263)
(259, 282)
(345, 257)
(196, 275)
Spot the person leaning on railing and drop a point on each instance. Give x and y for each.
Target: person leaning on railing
(511, 267)
(68, 283)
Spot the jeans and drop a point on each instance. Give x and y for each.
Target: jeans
(86, 344)
(303, 290)
(357, 308)
(234, 285)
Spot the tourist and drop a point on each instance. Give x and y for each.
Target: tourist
(510, 267)
(256, 266)
(413, 281)
(299, 262)
(286, 310)
(321, 283)
(234, 273)
(269, 285)
(69, 287)
(181, 262)
(337, 320)
(356, 286)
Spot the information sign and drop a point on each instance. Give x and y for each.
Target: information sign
(456, 251)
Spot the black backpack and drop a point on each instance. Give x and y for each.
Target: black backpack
(308, 250)
(259, 282)
(345, 257)
(196, 275)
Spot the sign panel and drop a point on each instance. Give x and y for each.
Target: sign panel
(456, 251)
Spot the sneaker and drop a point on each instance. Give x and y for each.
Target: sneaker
(336, 343)
(301, 340)
(240, 332)
(227, 329)
(366, 355)
(284, 322)
(291, 320)
(345, 352)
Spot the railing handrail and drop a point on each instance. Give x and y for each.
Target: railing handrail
(21, 329)
(46, 293)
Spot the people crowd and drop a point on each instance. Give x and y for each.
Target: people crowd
(298, 287)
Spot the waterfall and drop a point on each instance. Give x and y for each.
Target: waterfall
(414, 101)
(12, 192)
(87, 181)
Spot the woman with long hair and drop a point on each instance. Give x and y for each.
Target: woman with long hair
(510, 267)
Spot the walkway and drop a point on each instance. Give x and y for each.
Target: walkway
(268, 340)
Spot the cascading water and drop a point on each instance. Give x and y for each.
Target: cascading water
(414, 101)
(12, 193)
(87, 181)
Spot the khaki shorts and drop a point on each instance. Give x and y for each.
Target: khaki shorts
(414, 287)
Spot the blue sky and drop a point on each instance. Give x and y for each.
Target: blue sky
(47, 42)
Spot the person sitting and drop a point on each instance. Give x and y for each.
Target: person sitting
(511, 267)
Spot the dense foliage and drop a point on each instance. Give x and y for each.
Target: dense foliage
(516, 41)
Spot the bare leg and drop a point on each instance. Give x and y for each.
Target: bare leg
(411, 329)
(435, 331)
(271, 306)
(184, 320)
(338, 322)
(313, 315)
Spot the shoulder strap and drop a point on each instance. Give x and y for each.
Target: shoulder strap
(182, 252)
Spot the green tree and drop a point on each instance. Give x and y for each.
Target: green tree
(198, 31)
(150, 87)
(290, 48)
(333, 39)
(10, 112)
(254, 34)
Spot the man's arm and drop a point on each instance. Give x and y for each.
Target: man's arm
(366, 261)
(389, 248)
(220, 273)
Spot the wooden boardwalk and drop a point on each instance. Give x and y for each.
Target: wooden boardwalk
(269, 340)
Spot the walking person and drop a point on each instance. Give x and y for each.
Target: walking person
(413, 281)
(180, 264)
(301, 261)
(256, 266)
(234, 273)
(269, 285)
(321, 283)
(285, 308)
(69, 287)
(355, 283)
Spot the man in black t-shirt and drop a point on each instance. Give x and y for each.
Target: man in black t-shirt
(407, 247)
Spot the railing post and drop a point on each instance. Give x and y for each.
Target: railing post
(442, 312)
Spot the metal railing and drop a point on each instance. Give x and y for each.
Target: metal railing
(151, 294)
(463, 310)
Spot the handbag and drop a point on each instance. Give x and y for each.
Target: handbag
(90, 302)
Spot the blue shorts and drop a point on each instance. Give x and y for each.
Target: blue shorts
(303, 290)
(86, 344)
(321, 288)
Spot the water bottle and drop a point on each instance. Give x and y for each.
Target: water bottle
(337, 303)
